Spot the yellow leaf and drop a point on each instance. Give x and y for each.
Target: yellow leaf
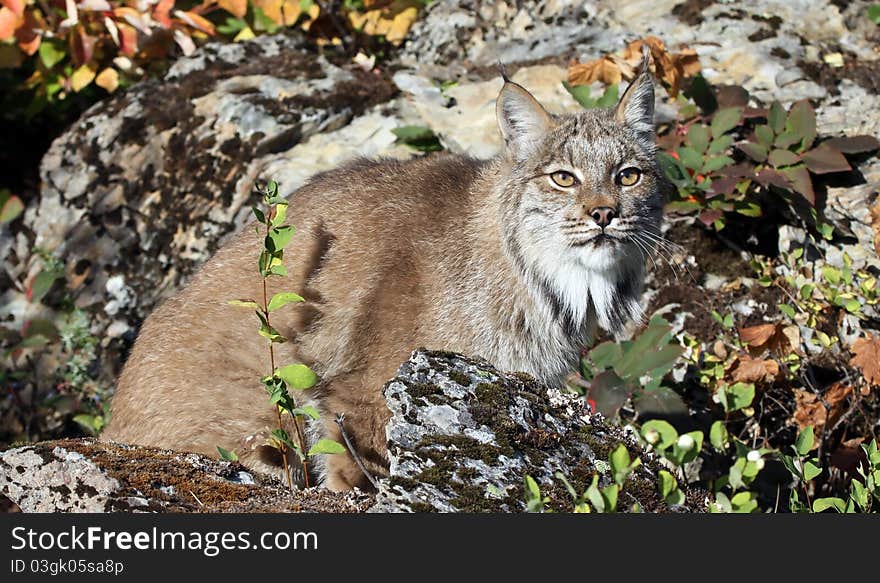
(108, 79)
(244, 34)
(81, 78)
(401, 25)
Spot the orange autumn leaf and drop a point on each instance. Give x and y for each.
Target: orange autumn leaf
(16, 6)
(8, 23)
(237, 8)
(162, 12)
(866, 356)
(108, 79)
(670, 68)
(752, 370)
(195, 21)
(27, 35)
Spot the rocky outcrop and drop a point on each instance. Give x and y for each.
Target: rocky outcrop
(87, 476)
(462, 437)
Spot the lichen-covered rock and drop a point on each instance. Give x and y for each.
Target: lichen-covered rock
(463, 436)
(88, 476)
(143, 188)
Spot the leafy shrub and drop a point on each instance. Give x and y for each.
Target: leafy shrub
(298, 377)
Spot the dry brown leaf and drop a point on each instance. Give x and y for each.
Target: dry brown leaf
(605, 70)
(757, 336)
(751, 370)
(835, 398)
(719, 349)
(866, 356)
(809, 411)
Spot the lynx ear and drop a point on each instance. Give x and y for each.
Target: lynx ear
(523, 121)
(636, 107)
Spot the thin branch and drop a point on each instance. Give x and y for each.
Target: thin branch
(340, 420)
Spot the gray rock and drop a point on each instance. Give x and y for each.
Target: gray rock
(463, 435)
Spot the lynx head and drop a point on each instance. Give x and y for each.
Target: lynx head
(582, 202)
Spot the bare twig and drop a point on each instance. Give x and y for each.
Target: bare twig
(196, 497)
(340, 421)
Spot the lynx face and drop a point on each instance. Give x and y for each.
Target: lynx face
(585, 200)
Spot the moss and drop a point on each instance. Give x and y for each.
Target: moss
(460, 378)
(422, 507)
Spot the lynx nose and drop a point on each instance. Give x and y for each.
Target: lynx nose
(603, 215)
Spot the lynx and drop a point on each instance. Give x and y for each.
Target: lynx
(516, 259)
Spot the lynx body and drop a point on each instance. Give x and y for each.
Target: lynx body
(515, 259)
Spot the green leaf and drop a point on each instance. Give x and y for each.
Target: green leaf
(268, 332)
(532, 488)
(667, 483)
(725, 120)
(595, 496)
(674, 170)
(418, 137)
(716, 163)
(822, 504)
(740, 396)
(720, 145)
(787, 310)
(805, 441)
(10, 207)
(811, 470)
(297, 376)
(753, 150)
(225, 454)
(609, 495)
(690, 158)
(852, 305)
(801, 122)
(282, 299)
(874, 13)
(50, 54)
(620, 464)
(764, 134)
(664, 431)
(776, 117)
(581, 94)
(278, 238)
(779, 158)
(327, 446)
(698, 137)
(278, 270)
(744, 502)
(41, 284)
(246, 304)
(606, 355)
(306, 410)
(718, 435)
(281, 436)
(261, 217)
(280, 214)
(609, 96)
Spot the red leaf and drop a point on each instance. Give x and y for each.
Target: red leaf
(825, 160)
(866, 356)
(128, 39)
(768, 177)
(27, 36)
(853, 144)
(708, 217)
(801, 182)
(82, 46)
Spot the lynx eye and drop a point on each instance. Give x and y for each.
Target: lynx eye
(563, 178)
(628, 176)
